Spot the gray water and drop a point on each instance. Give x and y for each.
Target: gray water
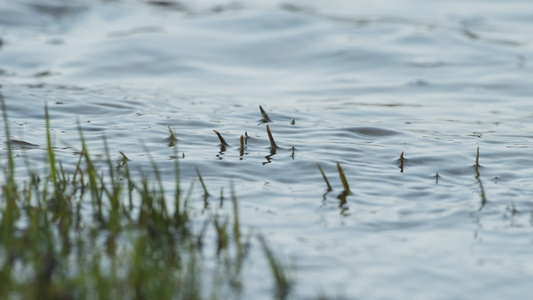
(364, 81)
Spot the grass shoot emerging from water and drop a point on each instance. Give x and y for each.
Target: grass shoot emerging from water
(273, 145)
(343, 180)
(206, 193)
(325, 178)
(477, 157)
(88, 234)
(264, 115)
(222, 141)
(173, 140)
(480, 183)
(346, 188)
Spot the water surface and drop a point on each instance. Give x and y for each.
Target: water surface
(364, 81)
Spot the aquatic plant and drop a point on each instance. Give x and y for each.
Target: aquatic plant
(480, 183)
(402, 160)
(222, 141)
(88, 234)
(206, 193)
(346, 188)
(325, 178)
(343, 179)
(171, 137)
(273, 145)
(264, 115)
(242, 146)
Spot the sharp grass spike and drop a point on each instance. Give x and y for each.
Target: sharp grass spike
(222, 141)
(206, 193)
(171, 137)
(51, 154)
(124, 158)
(241, 148)
(273, 145)
(343, 179)
(477, 157)
(264, 116)
(325, 178)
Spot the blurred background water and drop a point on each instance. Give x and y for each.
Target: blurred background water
(364, 81)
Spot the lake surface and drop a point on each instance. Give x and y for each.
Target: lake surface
(363, 81)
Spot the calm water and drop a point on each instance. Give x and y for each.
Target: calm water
(364, 81)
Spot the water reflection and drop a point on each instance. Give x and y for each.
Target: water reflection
(268, 157)
(343, 205)
(292, 152)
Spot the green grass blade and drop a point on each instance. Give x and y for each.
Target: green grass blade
(206, 193)
(477, 157)
(343, 179)
(50, 152)
(325, 178)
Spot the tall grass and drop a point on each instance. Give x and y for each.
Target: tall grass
(88, 234)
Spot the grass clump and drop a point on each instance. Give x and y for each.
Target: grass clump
(87, 234)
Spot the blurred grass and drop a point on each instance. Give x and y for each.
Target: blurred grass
(93, 234)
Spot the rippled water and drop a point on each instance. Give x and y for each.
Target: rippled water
(364, 81)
